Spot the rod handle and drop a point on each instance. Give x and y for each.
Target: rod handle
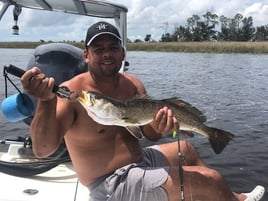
(18, 72)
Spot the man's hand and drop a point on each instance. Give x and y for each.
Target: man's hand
(37, 84)
(164, 121)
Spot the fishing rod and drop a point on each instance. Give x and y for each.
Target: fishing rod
(9, 141)
(180, 157)
(62, 92)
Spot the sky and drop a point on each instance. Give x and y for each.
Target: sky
(154, 17)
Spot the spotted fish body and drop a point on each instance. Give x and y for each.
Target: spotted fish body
(141, 111)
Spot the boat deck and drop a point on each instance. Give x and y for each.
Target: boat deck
(59, 182)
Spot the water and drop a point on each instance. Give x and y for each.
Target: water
(17, 57)
(231, 90)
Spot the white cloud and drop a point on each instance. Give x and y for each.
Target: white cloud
(259, 12)
(144, 17)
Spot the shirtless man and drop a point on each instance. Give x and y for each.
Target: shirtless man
(107, 159)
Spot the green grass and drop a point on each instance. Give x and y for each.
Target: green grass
(203, 47)
(31, 45)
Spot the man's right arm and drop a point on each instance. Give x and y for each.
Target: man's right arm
(48, 125)
(44, 134)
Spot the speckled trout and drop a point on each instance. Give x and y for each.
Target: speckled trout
(142, 110)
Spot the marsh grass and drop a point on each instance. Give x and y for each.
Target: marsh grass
(203, 47)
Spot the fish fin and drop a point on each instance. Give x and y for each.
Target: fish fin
(190, 108)
(141, 96)
(219, 139)
(187, 133)
(135, 131)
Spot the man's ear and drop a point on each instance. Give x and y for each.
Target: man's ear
(86, 56)
(124, 52)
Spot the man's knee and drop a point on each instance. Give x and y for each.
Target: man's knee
(210, 174)
(190, 154)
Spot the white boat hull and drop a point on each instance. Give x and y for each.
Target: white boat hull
(59, 183)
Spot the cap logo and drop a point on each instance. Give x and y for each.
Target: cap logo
(102, 26)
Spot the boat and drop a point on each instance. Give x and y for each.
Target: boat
(23, 176)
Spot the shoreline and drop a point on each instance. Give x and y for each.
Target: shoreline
(202, 47)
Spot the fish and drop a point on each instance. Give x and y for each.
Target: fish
(139, 111)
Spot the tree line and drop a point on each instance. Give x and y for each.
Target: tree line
(211, 27)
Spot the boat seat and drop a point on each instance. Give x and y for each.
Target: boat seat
(61, 61)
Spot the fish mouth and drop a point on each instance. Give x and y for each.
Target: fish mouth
(83, 98)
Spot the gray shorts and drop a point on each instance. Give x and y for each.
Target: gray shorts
(134, 182)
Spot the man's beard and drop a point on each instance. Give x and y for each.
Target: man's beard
(110, 72)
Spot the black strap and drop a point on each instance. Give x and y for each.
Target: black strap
(5, 74)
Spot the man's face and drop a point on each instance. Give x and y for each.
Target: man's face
(105, 55)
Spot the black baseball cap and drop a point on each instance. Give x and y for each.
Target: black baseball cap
(100, 28)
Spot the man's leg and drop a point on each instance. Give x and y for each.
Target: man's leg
(201, 182)
(189, 153)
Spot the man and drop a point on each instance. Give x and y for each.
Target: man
(108, 159)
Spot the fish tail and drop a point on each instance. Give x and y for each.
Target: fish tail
(219, 139)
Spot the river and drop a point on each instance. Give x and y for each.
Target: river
(231, 90)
